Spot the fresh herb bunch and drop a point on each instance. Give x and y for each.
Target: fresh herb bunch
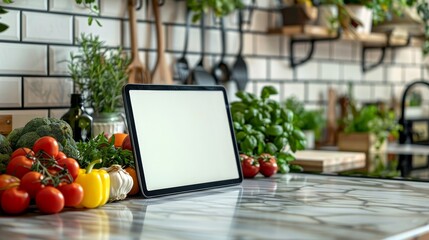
(370, 119)
(306, 119)
(99, 73)
(103, 148)
(219, 7)
(262, 125)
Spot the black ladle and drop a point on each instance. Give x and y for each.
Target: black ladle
(182, 66)
(221, 71)
(239, 69)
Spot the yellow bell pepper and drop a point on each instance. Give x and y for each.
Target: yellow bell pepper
(95, 184)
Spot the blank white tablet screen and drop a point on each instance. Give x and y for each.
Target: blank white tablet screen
(184, 137)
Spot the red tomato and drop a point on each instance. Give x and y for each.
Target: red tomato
(47, 145)
(7, 181)
(249, 166)
(126, 144)
(15, 201)
(19, 166)
(22, 152)
(73, 194)
(71, 165)
(50, 200)
(268, 164)
(60, 155)
(31, 182)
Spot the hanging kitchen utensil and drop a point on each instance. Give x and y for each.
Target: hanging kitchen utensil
(161, 73)
(182, 66)
(200, 76)
(239, 69)
(221, 70)
(136, 70)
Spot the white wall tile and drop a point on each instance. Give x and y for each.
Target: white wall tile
(267, 45)
(213, 41)
(176, 38)
(279, 69)
(105, 31)
(30, 4)
(233, 42)
(317, 92)
(309, 70)
(362, 92)
(22, 117)
(257, 68)
(403, 55)
(261, 24)
(322, 50)
(13, 20)
(59, 57)
(343, 51)
(113, 8)
(418, 55)
(374, 74)
(412, 74)
(296, 90)
(57, 113)
(173, 11)
(146, 37)
(352, 72)
(47, 92)
(10, 92)
(382, 93)
(15, 59)
(329, 71)
(394, 73)
(56, 28)
(67, 7)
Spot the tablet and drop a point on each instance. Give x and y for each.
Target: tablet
(182, 137)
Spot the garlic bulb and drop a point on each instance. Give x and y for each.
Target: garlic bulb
(121, 182)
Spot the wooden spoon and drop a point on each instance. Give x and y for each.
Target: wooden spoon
(161, 73)
(136, 71)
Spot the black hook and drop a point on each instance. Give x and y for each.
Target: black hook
(161, 2)
(139, 5)
(250, 9)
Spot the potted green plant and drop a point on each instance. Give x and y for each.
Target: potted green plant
(311, 122)
(262, 125)
(99, 73)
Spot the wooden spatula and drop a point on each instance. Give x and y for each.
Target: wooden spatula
(136, 70)
(161, 73)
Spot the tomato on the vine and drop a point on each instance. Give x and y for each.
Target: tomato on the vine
(7, 181)
(249, 166)
(60, 155)
(22, 152)
(15, 200)
(19, 166)
(50, 200)
(47, 145)
(71, 165)
(268, 164)
(73, 193)
(32, 183)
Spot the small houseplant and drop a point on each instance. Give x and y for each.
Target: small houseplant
(262, 125)
(99, 73)
(311, 122)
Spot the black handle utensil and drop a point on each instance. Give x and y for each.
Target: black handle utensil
(239, 69)
(182, 66)
(221, 71)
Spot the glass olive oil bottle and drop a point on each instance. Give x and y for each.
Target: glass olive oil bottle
(79, 120)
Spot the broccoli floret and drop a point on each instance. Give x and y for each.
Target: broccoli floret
(39, 127)
(4, 160)
(27, 140)
(5, 145)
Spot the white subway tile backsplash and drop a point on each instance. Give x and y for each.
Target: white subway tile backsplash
(195, 40)
(280, 70)
(176, 38)
(394, 74)
(317, 92)
(268, 45)
(213, 41)
(382, 93)
(362, 93)
(10, 92)
(261, 24)
(59, 57)
(113, 8)
(104, 32)
(309, 70)
(404, 55)
(56, 28)
(413, 74)
(145, 36)
(173, 11)
(322, 50)
(23, 59)
(67, 6)
(57, 113)
(13, 20)
(343, 51)
(22, 117)
(329, 71)
(374, 74)
(296, 90)
(47, 92)
(31, 4)
(352, 72)
(258, 69)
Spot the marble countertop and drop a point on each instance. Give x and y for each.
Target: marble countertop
(291, 206)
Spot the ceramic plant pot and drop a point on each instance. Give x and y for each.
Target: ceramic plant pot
(363, 14)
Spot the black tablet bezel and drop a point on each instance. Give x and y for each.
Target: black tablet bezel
(136, 150)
